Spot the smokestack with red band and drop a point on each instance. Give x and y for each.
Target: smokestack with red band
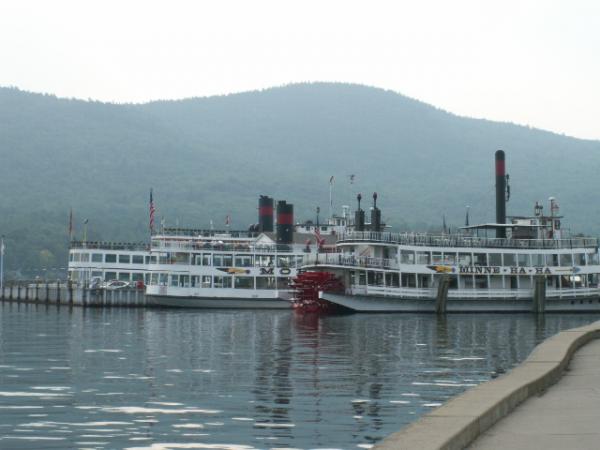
(500, 193)
(285, 222)
(265, 213)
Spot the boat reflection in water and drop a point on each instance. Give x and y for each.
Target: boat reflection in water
(259, 379)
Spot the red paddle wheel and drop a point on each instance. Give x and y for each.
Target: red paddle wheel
(306, 288)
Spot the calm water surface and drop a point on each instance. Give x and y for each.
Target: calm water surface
(161, 379)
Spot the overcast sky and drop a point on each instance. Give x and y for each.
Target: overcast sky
(535, 63)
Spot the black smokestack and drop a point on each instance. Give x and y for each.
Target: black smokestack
(375, 215)
(265, 213)
(500, 193)
(359, 216)
(285, 222)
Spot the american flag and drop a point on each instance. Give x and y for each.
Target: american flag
(152, 211)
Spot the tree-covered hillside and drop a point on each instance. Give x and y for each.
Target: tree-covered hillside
(211, 157)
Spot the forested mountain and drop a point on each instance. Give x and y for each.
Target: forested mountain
(211, 157)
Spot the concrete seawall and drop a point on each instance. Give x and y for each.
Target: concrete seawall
(63, 294)
(459, 422)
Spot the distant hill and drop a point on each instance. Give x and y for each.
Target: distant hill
(210, 157)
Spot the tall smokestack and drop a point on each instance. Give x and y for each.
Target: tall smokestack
(359, 216)
(285, 222)
(500, 193)
(375, 215)
(265, 213)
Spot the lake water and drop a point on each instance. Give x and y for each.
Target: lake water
(171, 379)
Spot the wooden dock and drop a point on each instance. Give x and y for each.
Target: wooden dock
(71, 294)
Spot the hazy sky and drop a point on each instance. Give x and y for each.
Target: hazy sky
(531, 62)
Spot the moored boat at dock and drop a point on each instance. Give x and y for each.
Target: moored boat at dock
(531, 264)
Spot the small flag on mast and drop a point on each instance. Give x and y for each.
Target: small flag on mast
(152, 211)
(71, 224)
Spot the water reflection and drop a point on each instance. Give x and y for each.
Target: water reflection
(132, 378)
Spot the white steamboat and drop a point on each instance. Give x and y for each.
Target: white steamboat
(530, 265)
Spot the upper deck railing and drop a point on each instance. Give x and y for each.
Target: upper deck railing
(198, 246)
(101, 245)
(198, 232)
(428, 240)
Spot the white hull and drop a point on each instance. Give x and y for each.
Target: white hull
(218, 303)
(363, 303)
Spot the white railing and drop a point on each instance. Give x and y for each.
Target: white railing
(386, 291)
(575, 292)
(490, 293)
(428, 240)
(224, 247)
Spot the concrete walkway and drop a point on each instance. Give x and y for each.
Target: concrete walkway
(566, 416)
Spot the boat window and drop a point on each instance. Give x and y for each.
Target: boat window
(244, 282)
(154, 279)
(480, 259)
(481, 282)
(222, 282)
(391, 279)
(85, 257)
(96, 273)
(264, 260)
(436, 257)
(552, 260)
(408, 280)
(265, 282)
(538, 260)
(71, 257)
(525, 282)
(449, 258)
(137, 259)
(206, 259)
(423, 258)
(423, 280)
(579, 259)
(592, 258)
(523, 260)
(407, 257)
(153, 260)
(284, 261)
(510, 259)
(283, 283)
(566, 260)
(206, 281)
(162, 279)
(110, 258)
(512, 282)
(370, 278)
(217, 260)
(174, 280)
(163, 258)
(464, 259)
(137, 277)
(109, 276)
(184, 281)
(243, 260)
(97, 257)
(495, 259)
(362, 278)
(195, 281)
(124, 259)
(228, 260)
(180, 258)
(468, 281)
(124, 276)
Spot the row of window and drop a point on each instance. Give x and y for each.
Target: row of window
(414, 280)
(498, 259)
(218, 281)
(109, 258)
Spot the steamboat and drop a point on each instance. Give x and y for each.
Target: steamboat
(529, 264)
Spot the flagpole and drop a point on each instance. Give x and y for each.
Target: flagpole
(331, 180)
(2, 266)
